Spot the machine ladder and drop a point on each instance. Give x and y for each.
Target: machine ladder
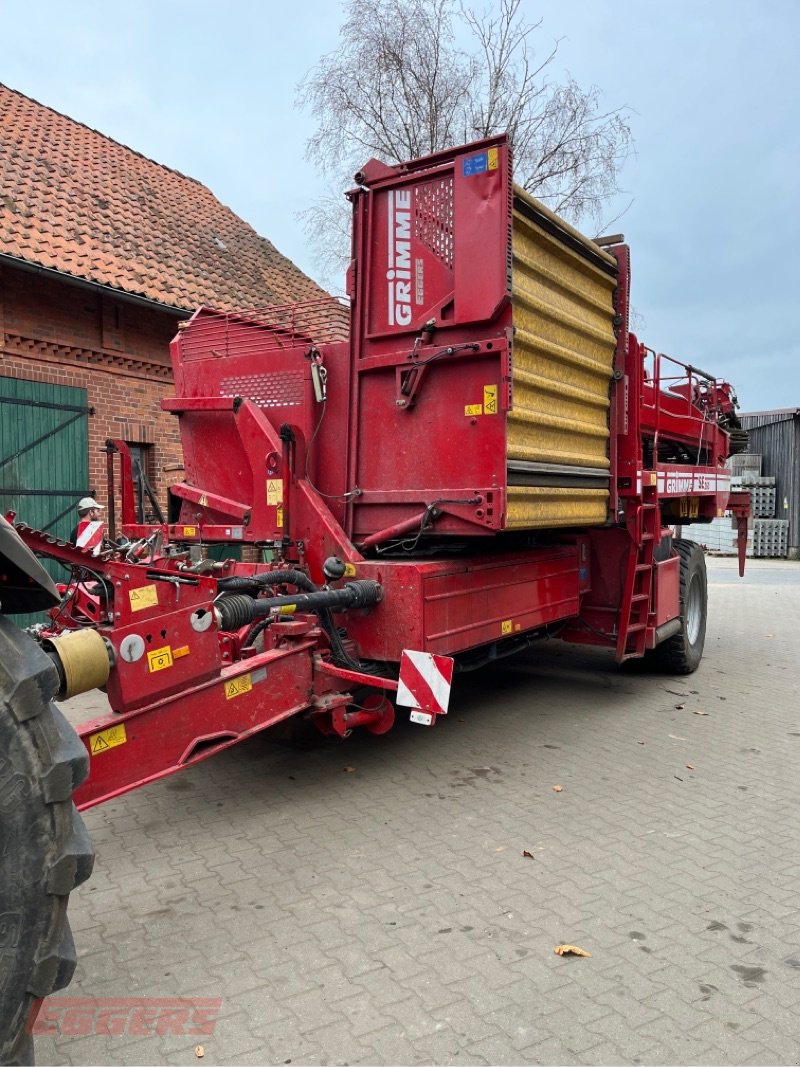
(637, 598)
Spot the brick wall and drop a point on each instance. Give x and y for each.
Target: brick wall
(55, 332)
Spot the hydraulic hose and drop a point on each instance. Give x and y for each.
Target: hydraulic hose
(257, 582)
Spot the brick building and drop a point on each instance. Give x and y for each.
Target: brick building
(102, 253)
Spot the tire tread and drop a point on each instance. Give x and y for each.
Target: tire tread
(52, 761)
(675, 655)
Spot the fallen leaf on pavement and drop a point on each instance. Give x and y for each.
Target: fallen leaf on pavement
(558, 788)
(679, 707)
(699, 713)
(348, 770)
(640, 742)
(528, 855)
(199, 1051)
(571, 950)
(689, 766)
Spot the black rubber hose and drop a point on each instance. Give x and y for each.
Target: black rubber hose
(257, 582)
(291, 577)
(238, 584)
(256, 629)
(338, 651)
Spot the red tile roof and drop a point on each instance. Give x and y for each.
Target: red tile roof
(75, 201)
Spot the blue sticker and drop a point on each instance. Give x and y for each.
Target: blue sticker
(476, 164)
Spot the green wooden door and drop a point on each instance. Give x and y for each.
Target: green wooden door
(44, 457)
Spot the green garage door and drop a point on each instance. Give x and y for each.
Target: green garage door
(44, 453)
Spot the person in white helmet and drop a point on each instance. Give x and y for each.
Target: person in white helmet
(88, 533)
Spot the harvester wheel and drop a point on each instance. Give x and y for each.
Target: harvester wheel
(681, 653)
(45, 851)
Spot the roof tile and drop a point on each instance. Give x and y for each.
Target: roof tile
(75, 201)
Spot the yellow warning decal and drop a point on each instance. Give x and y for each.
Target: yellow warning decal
(349, 570)
(190, 531)
(279, 517)
(506, 626)
(688, 507)
(237, 686)
(177, 653)
(490, 399)
(473, 409)
(274, 491)
(159, 659)
(492, 159)
(106, 739)
(145, 597)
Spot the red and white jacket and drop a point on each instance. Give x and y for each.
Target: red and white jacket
(90, 535)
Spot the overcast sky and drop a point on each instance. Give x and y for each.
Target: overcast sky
(714, 87)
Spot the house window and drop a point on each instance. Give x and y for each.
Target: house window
(142, 466)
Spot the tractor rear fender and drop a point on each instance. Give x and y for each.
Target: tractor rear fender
(24, 583)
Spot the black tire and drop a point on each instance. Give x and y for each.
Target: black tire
(45, 850)
(681, 653)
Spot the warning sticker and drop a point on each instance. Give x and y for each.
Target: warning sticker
(279, 517)
(490, 399)
(473, 409)
(507, 626)
(146, 597)
(274, 491)
(190, 531)
(159, 659)
(106, 739)
(177, 653)
(237, 686)
(349, 570)
(688, 507)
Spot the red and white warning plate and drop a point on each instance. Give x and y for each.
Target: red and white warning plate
(424, 685)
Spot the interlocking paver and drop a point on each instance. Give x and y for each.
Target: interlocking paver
(388, 915)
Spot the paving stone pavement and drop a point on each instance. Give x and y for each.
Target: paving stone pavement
(387, 915)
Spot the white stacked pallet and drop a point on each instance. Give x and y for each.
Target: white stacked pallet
(718, 536)
(771, 538)
(762, 493)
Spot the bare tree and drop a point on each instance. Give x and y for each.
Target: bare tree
(402, 84)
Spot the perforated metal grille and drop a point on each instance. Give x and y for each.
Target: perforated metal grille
(433, 218)
(282, 390)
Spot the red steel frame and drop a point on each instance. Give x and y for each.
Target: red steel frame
(270, 470)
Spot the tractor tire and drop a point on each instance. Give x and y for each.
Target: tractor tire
(45, 850)
(681, 653)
